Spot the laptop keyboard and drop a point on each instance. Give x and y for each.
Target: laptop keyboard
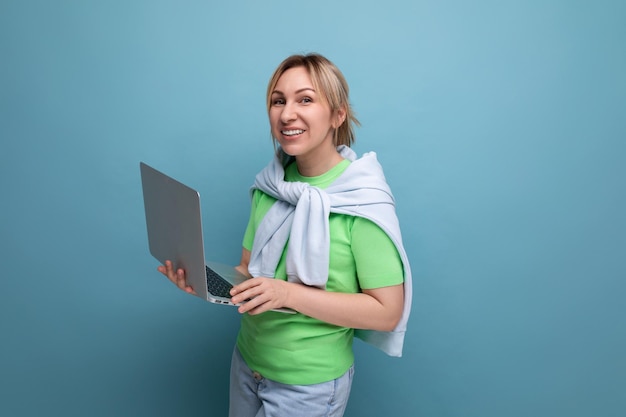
(217, 285)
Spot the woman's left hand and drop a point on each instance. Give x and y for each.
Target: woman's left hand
(262, 294)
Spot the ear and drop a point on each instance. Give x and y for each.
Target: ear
(339, 118)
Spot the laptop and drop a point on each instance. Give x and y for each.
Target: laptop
(174, 223)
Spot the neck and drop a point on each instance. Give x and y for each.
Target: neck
(313, 167)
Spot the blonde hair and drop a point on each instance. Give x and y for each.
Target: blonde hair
(331, 85)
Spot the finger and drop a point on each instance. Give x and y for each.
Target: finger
(162, 268)
(261, 308)
(250, 305)
(169, 270)
(176, 276)
(238, 293)
(166, 269)
(247, 294)
(180, 279)
(244, 286)
(258, 303)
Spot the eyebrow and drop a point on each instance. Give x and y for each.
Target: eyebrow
(297, 91)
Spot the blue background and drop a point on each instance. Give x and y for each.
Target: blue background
(501, 126)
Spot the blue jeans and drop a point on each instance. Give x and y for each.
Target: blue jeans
(252, 395)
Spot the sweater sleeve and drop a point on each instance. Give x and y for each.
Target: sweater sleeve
(260, 205)
(248, 237)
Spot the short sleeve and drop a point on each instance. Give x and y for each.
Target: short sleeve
(378, 263)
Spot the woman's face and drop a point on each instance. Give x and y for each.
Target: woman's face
(301, 120)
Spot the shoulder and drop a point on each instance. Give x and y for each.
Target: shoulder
(259, 197)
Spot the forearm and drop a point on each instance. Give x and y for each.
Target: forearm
(378, 311)
(375, 309)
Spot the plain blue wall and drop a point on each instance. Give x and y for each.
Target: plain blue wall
(502, 129)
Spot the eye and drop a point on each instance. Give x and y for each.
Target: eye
(306, 100)
(278, 101)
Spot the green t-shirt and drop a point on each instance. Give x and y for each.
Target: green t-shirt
(300, 350)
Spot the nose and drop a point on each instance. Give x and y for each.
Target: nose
(288, 113)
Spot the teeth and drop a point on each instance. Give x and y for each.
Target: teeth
(292, 132)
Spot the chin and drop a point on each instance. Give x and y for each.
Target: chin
(289, 149)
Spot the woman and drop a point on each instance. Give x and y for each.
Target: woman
(323, 240)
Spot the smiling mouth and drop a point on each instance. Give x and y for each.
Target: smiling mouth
(293, 132)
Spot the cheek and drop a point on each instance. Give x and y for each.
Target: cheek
(273, 119)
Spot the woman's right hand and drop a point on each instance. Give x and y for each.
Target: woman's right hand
(176, 276)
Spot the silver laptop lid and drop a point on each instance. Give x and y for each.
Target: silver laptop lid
(174, 223)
